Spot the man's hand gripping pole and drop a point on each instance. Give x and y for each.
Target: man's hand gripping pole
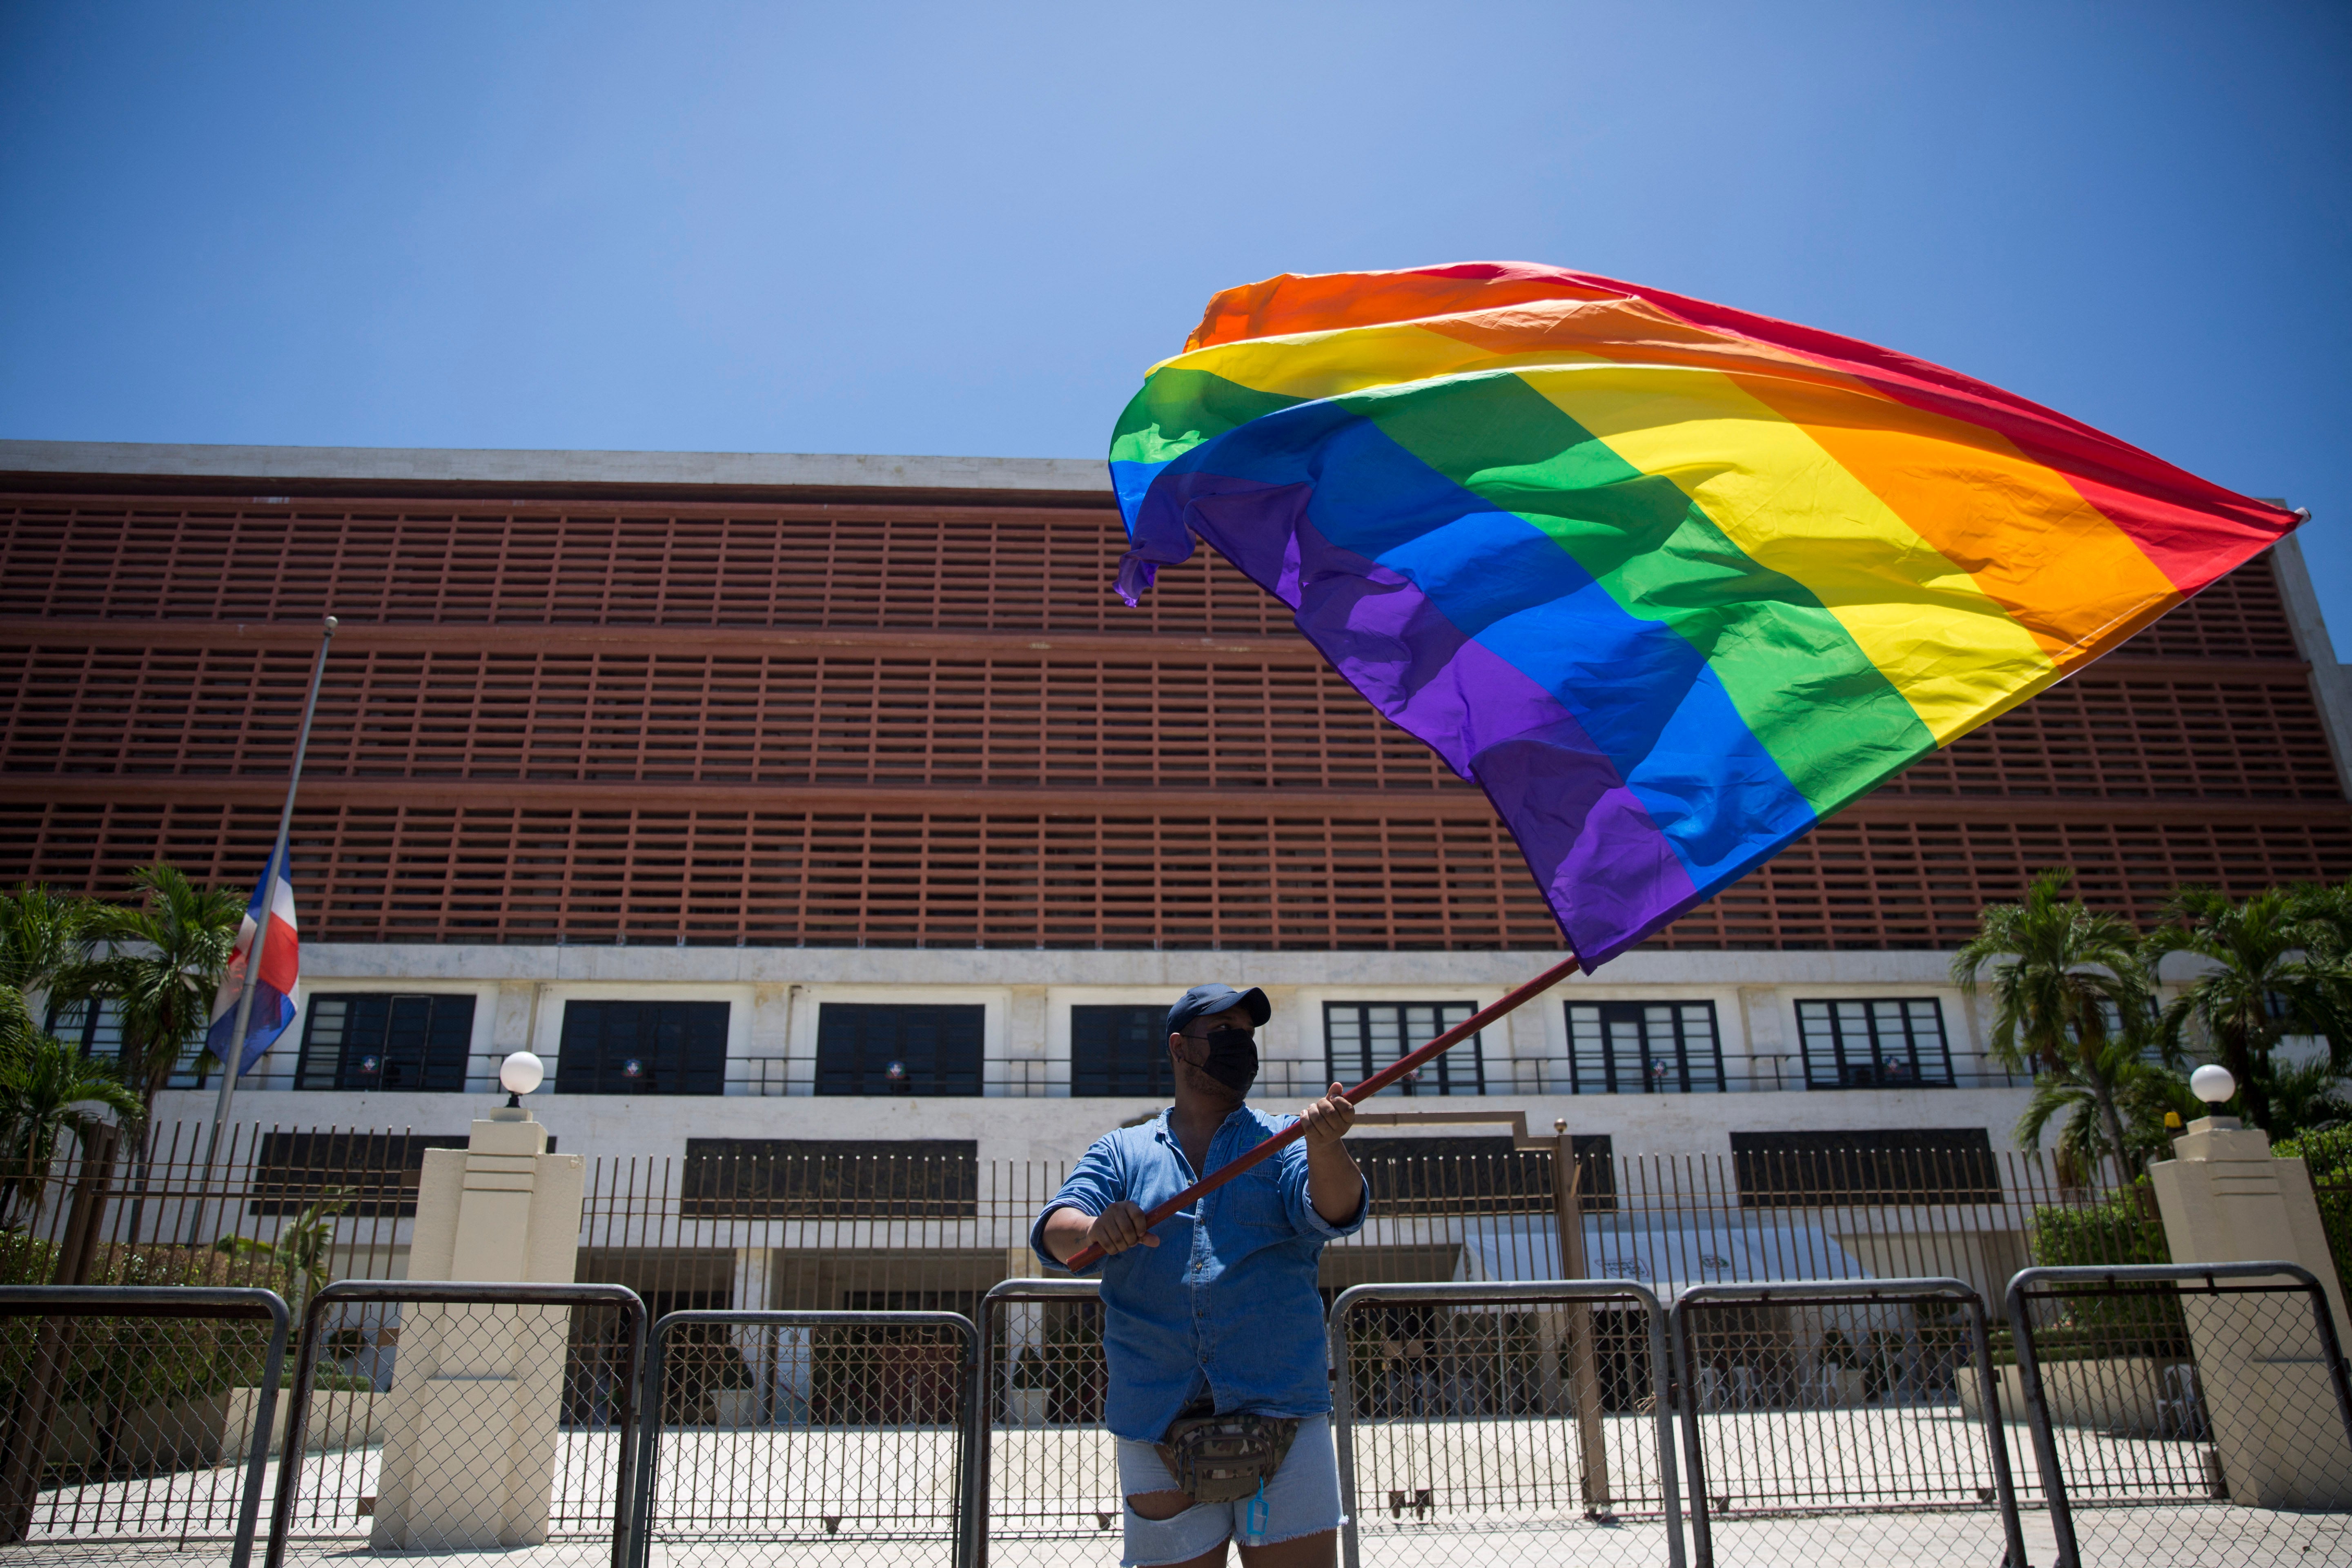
(1379, 1080)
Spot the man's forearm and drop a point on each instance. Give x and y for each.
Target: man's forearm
(1065, 1232)
(1334, 1185)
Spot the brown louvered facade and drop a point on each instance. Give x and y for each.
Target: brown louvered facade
(898, 723)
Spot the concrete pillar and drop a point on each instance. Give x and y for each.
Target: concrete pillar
(767, 1045)
(2225, 1198)
(469, 1452)
(1770, 1059)
(513, 1015)
(1024, 1072)
(1024, 1322)
(749, 1293)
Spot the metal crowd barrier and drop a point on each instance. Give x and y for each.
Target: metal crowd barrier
(2159, 1358)
(31, 1423)
(1900, 1487)
(451, 1436)
(980, 1403)
(877, 1391)
(1575, 1293)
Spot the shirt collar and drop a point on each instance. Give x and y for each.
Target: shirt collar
(1160, 1123)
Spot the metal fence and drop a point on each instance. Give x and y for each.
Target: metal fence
(2179, 1413)
(1041, 1472)
(804, 1225)
(1833, 1422)
(1505, 1422)
(934, 1228)
(137, 1415)
(868, 1460)
(779, 1226)
(481, 1418)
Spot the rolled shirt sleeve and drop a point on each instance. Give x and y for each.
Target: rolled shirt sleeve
(1098, 1181)
(1300, 1201)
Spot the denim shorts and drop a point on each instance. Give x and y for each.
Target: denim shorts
(1301, 1497)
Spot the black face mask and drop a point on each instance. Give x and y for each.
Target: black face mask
(1232, 1059)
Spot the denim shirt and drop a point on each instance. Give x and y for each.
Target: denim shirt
(1226, 1302)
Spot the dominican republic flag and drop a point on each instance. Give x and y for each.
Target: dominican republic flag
(273, 995)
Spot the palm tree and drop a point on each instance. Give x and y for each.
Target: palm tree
(162, 966)
(47, 1088)
(2065, 981)
(2144, 1091)
(2274, 966)
(2307, 1097)
(2329, 913)
(43, 935)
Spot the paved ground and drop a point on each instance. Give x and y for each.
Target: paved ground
(1499, 1499)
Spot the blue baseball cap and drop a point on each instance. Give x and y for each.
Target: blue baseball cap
(1202, 1000)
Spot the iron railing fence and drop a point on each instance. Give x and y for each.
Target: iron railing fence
(2187, 1412)
(1284, 1082)
(1529, 1427)
(1833, 1422)
(806, 1226)
(493, 1417)
(138, 1416)
(281, 1207)
(934, 1228)
(870, 1461)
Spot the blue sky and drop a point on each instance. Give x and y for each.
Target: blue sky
(969, 229)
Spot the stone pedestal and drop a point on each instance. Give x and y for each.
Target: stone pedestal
(2225, 1198)
(469, 1452)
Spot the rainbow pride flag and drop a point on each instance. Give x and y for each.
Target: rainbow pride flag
(1671, 581)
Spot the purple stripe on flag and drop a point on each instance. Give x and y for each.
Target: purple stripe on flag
(1608, 872)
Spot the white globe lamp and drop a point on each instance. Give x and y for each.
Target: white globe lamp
(2212, 1083)
(520, 1074)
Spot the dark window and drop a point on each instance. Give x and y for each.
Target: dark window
(1361, 1037)
(1914, 1165)
(796, 1178)
(1119, 1051)
(95, 1027)
(1478, 1175)
(1643, 1048)
(362, 1173)
(387, 1042)
(935, 1050)
(1894, 1044)
(643, 1047)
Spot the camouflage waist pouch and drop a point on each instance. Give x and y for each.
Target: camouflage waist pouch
(1224, 1458)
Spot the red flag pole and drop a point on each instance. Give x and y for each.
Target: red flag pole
(1379, 1080)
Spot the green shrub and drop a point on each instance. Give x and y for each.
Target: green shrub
(2328, 1154)
(26, 1259)
(2124, 1229)
(126, 1363)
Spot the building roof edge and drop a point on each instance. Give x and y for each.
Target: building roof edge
(2331, 680)
(409, 465)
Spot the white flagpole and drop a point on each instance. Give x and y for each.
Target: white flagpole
(277, 868)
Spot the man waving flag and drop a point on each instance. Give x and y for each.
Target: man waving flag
(281, 967)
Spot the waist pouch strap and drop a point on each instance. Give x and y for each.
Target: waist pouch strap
(1222, 1458)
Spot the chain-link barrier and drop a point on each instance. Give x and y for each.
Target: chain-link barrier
(1838, 1421)
(807, 1435)
(2189, 1413)
(1040, 1471)
(1484, 1425)
(453, 1417)
(138, 1417)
